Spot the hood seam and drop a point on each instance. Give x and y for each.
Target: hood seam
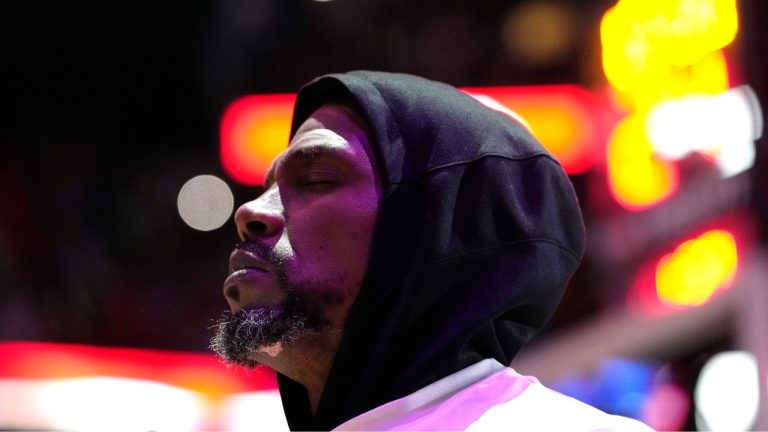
(500, 246)
(475, 159)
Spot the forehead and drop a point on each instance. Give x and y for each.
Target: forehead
(337, 117)
(331, 130)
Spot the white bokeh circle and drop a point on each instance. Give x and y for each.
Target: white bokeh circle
(205, 202)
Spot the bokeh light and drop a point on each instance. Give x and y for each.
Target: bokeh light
(624, 386)
(205, 202)
(727, 392)
(239, 410)
(254, 129)
(564, 118)
(690, 274)
(654, 51)
(722, 127)
(637, 179)
(553, 24)
(84, 388)
(634, 388)
(667, 407)
(697, 269)
(119, 404)
(646, 43)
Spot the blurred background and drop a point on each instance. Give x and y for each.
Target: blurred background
(128, 130)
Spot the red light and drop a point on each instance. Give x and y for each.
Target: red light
(254, 129)
(194, 371)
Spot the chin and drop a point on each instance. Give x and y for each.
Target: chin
(270, 351)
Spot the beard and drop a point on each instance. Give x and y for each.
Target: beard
(239, 335)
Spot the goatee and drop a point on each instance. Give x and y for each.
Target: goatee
(241, 334)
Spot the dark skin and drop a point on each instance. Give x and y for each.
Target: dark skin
(318, 215)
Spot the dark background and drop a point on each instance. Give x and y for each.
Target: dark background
(107, 108)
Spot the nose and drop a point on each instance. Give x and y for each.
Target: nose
(262, 217)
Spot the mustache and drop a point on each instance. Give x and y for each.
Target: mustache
(263, 252)
(254, 247)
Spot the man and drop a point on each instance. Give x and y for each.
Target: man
(408, 242)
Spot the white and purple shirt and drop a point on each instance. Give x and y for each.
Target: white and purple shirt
(489, 396)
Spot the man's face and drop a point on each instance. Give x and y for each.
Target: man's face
(305, 241)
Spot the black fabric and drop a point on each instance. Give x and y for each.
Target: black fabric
(479, 232)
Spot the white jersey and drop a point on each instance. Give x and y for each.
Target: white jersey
(489, 397)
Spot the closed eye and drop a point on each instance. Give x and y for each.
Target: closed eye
(314, 168)
(321, 178)
(318, 182)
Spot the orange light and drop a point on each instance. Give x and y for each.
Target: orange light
(194, 371)
(637, 179)
(561, 117)
(254, 129)
(697, 269)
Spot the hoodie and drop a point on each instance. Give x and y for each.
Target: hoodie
(478, 233)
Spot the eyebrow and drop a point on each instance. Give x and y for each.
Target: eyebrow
(305, 153)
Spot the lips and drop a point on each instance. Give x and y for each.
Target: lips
(242, 259)
(249, 281)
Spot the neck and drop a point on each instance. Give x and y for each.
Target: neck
(307, 361)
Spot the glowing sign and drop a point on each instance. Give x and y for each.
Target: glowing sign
(254, 129)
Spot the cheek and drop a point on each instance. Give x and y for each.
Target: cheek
(338, 237)
(356, 225)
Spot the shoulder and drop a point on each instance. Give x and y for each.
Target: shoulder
(541, 408)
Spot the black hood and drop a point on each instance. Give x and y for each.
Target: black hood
(479, 232)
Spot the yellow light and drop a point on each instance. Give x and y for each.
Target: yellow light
(652, 48)
(697, 269)
(637, 179)
(708, 76)
(654, 51)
